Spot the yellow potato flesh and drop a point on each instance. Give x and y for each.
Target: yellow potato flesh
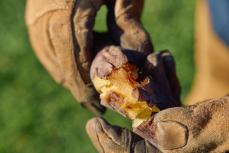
(122, 82)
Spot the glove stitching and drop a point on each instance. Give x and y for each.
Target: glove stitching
(76, 47)
(107, 135)
(125, 11)
(100, 143)
(62, 78)
(49, 37)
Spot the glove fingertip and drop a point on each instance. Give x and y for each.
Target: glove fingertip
(92, 128)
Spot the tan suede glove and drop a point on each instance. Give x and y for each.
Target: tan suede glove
(200, 128)
(61, 33)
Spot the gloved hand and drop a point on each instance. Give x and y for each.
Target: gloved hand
(165, 91)
(200, 128)
(113, 139)
(61, 33)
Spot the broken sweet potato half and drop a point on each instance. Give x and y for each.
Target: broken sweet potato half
(116, 92)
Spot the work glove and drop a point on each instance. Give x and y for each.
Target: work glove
(62, 35)
(200, 128)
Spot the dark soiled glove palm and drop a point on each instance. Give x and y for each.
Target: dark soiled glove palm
(61, 33)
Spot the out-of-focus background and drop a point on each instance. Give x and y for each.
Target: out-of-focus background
(39, 116)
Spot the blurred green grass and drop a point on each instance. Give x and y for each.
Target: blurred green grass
(39, 116)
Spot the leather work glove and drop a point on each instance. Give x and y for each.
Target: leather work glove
(201, 128)
(61, 33)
